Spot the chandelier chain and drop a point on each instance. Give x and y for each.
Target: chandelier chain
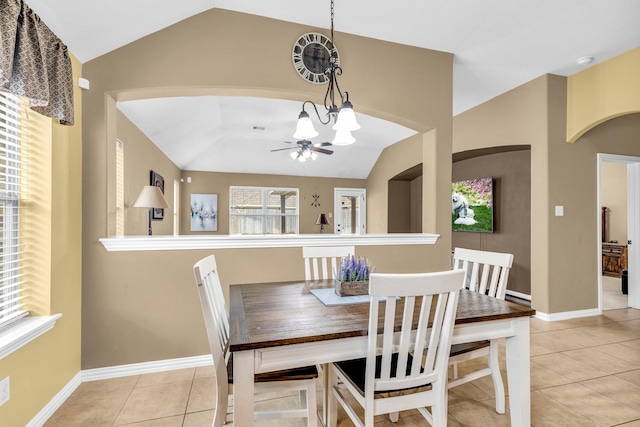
(331, 21)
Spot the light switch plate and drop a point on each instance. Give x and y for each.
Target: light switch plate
(559, 210)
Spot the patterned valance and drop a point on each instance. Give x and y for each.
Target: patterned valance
(34, 62)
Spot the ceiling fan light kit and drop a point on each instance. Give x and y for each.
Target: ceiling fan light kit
(316, 60)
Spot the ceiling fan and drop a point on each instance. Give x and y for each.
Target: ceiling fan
(305, 149)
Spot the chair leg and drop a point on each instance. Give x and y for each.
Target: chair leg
(498, 385)
(331, 410)
(454, 368)
(326, 391)
(440, 407)
(394, 416)
(309, 403)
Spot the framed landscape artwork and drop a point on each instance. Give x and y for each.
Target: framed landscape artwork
(472, 205)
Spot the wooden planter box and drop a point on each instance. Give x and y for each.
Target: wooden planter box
(345, 289)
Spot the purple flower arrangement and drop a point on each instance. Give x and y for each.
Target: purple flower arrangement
(354, 269)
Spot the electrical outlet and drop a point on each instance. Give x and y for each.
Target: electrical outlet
(4, 391)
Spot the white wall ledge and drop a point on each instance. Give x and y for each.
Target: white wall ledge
(23, 331)
(172, 243)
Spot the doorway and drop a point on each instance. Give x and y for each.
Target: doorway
(633, 226)
(350, 210)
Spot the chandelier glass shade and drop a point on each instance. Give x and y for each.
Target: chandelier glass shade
(305, 129)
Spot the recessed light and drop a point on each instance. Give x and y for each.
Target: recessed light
(585, 60)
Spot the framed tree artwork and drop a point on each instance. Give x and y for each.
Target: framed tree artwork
(158, 181)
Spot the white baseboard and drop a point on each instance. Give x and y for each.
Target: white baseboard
(566, 315)
(115, 372)
(56, 402)
(519, 295)
(145, 368)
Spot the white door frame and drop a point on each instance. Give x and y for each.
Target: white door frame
(633, 224)
(337, 203)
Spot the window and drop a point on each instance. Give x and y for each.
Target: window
(262, 210)
(11, 167)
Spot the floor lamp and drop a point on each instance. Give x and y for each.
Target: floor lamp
(151, 197)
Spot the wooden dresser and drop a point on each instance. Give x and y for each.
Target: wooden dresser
(614, 259)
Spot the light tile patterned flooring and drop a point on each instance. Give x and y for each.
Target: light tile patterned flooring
(612, 296)
(584, 372)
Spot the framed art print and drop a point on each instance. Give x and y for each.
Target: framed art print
(204, 212)
(472, 205)
(158, 181)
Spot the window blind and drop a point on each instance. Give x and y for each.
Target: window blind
(11, 169)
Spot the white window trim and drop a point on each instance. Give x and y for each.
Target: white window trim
(21, 332)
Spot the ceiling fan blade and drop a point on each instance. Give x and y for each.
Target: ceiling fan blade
(289, 142)
(322, 144)
(280, 149)
(321, 150)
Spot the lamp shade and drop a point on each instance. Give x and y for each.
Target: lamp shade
(151, 197)
(305, 129)
(346, 118)
(343, 137)
(322, 220)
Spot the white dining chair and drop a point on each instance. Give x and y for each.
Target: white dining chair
(322, 262)
(406, 363)
(216, 320)
(485, 272)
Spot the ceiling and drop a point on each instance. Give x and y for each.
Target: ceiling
(497, 46)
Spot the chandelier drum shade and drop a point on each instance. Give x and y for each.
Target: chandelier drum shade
(311, 53)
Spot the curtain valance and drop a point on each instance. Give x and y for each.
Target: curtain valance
(34, 62)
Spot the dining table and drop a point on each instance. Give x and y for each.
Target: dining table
(282, 325)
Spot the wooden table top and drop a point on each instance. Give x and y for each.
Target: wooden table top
(273, 314)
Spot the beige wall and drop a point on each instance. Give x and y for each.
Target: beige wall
(613, 186)
(563, 249)
(39, 370)
(564, 261)
(218, 183)
(139, 307)
(141, 156)
(519, 117)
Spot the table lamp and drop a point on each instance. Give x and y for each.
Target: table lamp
(151, 197)
(322, 221)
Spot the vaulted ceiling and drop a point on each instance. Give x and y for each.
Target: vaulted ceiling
(497, 44)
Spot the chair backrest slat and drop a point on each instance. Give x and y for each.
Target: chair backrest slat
(321, 262)
(486, 272)
(409, 336)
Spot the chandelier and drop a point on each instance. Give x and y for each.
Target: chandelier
(344, 118)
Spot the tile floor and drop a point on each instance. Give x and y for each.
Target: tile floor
(612, 296)
(584, 372)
